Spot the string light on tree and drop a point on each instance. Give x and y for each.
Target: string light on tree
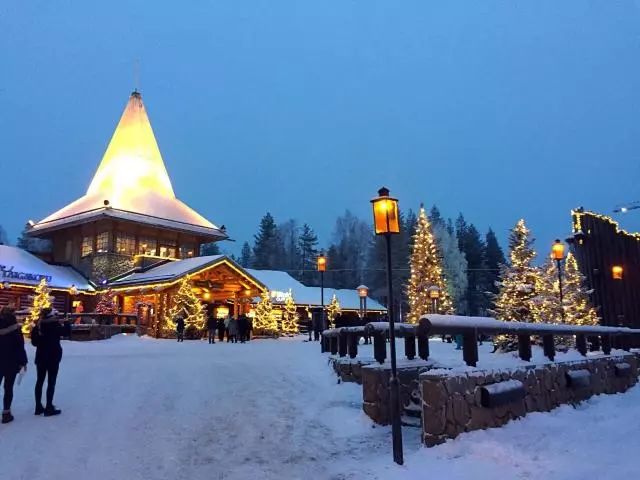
(188, 305)
(265, 323)
(333, 310)
(41, 300)
(290, 316)
(516, 298)
(579, 309)
(426, 273)
(107, 303)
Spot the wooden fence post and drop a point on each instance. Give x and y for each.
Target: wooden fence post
(379, 346)
(352, 343)
(410, 345)
(342, 343)
(524, 347)
(470, 347)
(548, 346)
(581, 344)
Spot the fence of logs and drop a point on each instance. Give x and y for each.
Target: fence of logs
(344, 341)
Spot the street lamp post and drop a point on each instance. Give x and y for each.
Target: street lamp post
(363, 293)
(322, 266)
(557, 253)
(434, 295)
(386, 222)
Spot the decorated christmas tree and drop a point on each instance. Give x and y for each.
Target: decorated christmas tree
(290, 316)
(516, 299)
(426, 272)
(546, 302)
(333, 310)
(41, 300)
(107, 303)
(264, 322)
(578, 307)
(188, 305)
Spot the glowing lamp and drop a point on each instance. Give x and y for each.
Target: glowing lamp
(207, 295)
(322, 263)
(385, 213)
(363, 291)
(557, 250)
(617, 272)
(434, 292)
(73, 290)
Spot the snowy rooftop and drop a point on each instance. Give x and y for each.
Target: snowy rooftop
(132, 184)
(282, 282)
(21, 267)
(172, 270)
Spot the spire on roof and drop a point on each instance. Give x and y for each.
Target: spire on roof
(132, 162)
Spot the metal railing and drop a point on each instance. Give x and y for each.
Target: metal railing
(344, 341)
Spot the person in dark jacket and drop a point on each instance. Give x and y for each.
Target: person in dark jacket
(13, 357)
(211, 328)
(243, 327)
(180, 328)
(249, 327)
(45, 336)
(220, 327)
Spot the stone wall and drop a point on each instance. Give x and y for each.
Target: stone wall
(375, 387)
(452, 403)
(348, 369)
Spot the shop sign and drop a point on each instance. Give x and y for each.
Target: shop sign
(8, 273)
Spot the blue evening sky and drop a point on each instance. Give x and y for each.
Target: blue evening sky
(498, 109)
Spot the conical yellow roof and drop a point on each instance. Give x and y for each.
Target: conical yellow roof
(132, 161)
(132, 184)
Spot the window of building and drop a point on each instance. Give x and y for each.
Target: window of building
(187, 251)
(102, 242)
(167, 251)
(125, 244)
(147, 246)
(87, 246)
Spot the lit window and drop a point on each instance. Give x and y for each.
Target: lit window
(147, 246)
(102, 242)
(167, 251)
(87, 246)
(186, 251)
(125, 244)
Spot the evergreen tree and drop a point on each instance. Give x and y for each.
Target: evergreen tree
(454, 264)
(107, 304)
(186, 304)
(307, 247)
(578, 307)
(268, 248)
(470, 243)
(288, 232)
(290, 325)
(333, 310)
(264, 322)
(31, 244)
(426, 272)
(208, 249)
(493, 258)
(246, 256)
(351, 238)
(41, 300)
(516, 299)
(546, 302)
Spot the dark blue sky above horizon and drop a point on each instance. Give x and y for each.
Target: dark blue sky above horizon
(497, 109)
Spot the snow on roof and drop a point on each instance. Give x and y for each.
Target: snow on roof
(172, 270)
(131, 183)
(277, 281)
(21, 267)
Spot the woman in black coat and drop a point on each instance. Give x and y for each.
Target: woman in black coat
(45, 336)
(13, 357)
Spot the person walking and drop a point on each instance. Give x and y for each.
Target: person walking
(211, 328)
(13, 357)
(249, 327)
(227, 319)
(180, 327)
(243, 326)
(221, 328)
(45, 336)
(233, 330)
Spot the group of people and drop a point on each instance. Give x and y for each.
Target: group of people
(45, 336)
(236, 329)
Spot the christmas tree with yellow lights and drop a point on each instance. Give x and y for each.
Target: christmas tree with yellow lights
(426, 272)
(516, 299)
(579, 309)
(546, 302)
(107, 304)
(290, 316)
(333, 310)
(187, 305)
(41, 300)
(264, 322)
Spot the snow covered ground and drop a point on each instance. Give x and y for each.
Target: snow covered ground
(138, 408)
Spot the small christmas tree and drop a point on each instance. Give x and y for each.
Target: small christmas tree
(333, 310)
(578, 307)
(546, 302)
(265, 323)
(290, 316)
(41, 300)
(107, 304)
(188, 305)
(426, 272)
(516, 298)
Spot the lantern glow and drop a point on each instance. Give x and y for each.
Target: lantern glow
(557, 250)
(385, 213)
(322, 263)
(617, 272)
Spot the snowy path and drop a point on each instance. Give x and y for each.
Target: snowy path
(147, 409)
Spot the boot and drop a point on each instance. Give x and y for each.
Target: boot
(50, 411)
(39, 409)
(7, 417)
